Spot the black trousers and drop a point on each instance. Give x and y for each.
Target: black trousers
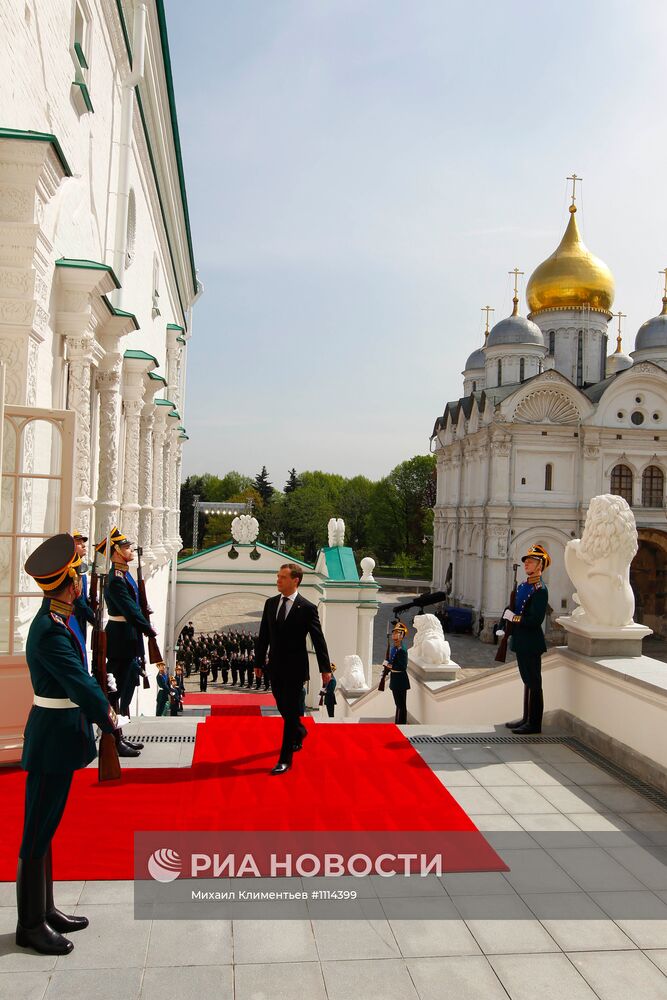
(400, 700)
(203, 682)
(45, 799)
(530, 668)
(288, 702)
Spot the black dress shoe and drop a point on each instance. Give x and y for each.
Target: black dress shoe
(134, 743)
(65, 924)
(125, 750)
(43, 939)
(527, 730)
(280, 768)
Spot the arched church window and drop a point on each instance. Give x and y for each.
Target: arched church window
(580, 358)
(621, 482)
(548, 476)
(474, 387)
(522, 369)
(500, 371)
(552, 342)
(653, 487)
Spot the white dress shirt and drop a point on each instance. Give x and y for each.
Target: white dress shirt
(288, 601)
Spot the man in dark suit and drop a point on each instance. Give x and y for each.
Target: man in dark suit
(287, 619)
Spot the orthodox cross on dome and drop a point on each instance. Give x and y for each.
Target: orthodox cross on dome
(516, 272)
(490, 309)
(574, 178)
(664, 296)
(621, 317)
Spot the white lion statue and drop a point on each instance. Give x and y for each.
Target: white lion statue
(352, 675)
(599, 563)
(430, 645)
(245, 529)
(336, 531)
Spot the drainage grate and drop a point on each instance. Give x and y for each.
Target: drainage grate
(649, 792)
(161, 739)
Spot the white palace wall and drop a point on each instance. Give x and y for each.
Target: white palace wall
(97, 284)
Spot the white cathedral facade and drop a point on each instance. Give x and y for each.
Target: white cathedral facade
(97, 284)
(548, 419)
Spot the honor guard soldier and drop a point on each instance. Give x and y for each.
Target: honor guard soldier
(125, 629)
(84, 614)
(527, 638)
(58, 740)
(399, 682)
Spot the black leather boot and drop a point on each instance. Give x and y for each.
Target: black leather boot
(524, 718)
(124, 749)
(535, 712)
(54, 918)
(32, 930)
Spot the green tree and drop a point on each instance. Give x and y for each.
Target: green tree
(308, 509)
(293, 482)
(354, 507)
(262, 484)
(400, 515)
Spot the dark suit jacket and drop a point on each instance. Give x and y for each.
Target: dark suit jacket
(286, 643)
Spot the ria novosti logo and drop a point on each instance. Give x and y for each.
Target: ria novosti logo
(164, 865)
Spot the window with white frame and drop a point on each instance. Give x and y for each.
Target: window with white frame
(81, 52)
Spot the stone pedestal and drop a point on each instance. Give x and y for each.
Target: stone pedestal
(433, 671)
(604, 640)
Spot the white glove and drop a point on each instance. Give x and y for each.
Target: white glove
(385, 663)
(508, 615)
(122, 720)
(111, 683)
(500, 633)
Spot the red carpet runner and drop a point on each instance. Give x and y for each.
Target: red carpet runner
(348, 777)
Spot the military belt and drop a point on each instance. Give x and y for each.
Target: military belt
(116, 618)
(42, 702)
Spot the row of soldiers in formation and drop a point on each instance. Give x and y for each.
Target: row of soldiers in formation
(230, 655)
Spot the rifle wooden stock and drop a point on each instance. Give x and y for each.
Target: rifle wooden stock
(108, 764)
(154, 654)
(501, 655)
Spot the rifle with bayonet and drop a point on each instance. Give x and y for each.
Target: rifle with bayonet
(154, 654)
(108, 765)
(501, 655)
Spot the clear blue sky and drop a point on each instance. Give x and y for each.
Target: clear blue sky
(362, 174)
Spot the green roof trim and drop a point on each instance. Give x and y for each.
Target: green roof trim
(164, 402)
(31, 136)
(85, 93)
(80, 56)
(181, 340)
(184, 437)
(176, 136)
(181, 429)
(175, 326)
(340, 563)
(157, 378)
(141, 356)
(120, 312)
(89, 265)
(175, 414)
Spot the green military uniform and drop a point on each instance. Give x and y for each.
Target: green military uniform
(528, 642)
(399, 682)
(58, 740)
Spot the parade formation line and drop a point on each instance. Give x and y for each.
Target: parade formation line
(347, 778)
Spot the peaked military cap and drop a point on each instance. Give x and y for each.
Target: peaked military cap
(400, 627)
(78, 536)
(117, 539)
(538, 552)
(54, 562)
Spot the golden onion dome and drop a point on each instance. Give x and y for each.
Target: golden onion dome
(572, 277)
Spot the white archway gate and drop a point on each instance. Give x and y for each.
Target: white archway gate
(347, 607)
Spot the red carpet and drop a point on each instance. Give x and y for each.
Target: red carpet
(348, 777)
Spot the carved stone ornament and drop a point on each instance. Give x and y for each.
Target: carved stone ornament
(546, 406)
(598, 564)
(245, 529)
(429, 645)
(352, 677)
(336, 529)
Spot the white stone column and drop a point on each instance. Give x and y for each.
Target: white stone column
(365, 618)
(159, 438)
(131, 507)
(107, 384)
(146, 479)
(79, 396)
(177, 494)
